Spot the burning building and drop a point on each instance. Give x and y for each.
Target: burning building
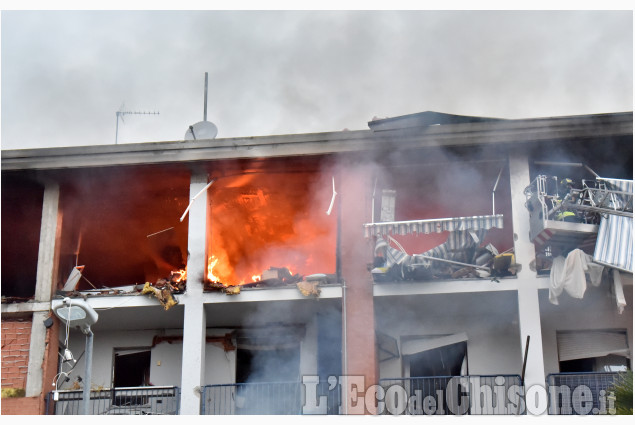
(431, 253)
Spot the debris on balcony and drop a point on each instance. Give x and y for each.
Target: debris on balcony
(310, 285)
(164, 295)
(276, 277)
(505, 265)
(217, 286)
(11, 300)
(73, 279)
(178, 281)
(232, 290)
(309, 288)
(461, 256)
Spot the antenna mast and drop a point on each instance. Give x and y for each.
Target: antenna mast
(202, 129)
(205, 104)
(121, 112)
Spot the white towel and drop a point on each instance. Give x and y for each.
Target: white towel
(570, 275)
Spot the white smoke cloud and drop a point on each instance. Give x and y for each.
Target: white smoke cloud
(66, 73)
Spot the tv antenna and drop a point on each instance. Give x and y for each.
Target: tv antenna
(120, 114)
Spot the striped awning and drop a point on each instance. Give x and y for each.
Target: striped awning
(614, 246)
(440, 225)
(623, 201)
(618, 184)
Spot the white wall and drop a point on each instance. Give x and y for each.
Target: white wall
(494, 345)
(596, 310)
(104, 344)
(165, 365)
(220, 365)
(493, 339)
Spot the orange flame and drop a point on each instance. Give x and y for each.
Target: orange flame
(270, 221)
(210, 269)
(182, 273)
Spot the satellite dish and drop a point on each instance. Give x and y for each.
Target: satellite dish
(201, 130)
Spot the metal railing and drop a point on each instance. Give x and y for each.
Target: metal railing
(117, 401)
(267, 398)
(593, 199)
(580, 393)
(453, 395)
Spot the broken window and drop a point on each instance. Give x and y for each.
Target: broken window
(21, 222)
(442, 361)
(431, 362)
(263, 363)
(435, 356)
(132, 368)
(268, 375)
(122, 225)
(593, 351)
(267, 224)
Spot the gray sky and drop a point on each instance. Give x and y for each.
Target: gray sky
(66, 73)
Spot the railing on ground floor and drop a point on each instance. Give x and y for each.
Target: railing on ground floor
(116, 401)
(269, 398)
(580, 393)
(453, 395)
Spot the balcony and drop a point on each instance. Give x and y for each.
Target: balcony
(267, 398)
(117, 401)
(454, 395)
(571, 217)
(580, 393)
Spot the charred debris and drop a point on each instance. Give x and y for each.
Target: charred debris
(164, 289)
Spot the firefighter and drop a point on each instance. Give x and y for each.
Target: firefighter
(571, 197)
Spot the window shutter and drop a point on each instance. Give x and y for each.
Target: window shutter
(415, 346)
(587, 344)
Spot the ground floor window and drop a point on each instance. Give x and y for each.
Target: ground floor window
(444, 355)
(431, 362)
(268, 363)
(131, 368)
(442, 361)
(268, 378)
(593, 351)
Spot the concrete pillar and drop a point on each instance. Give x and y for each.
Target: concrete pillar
(193, 366)
(360, 361)
(46, 266)
(49, 233)
(528, 302)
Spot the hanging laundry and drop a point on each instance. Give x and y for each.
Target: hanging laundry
(571, 275)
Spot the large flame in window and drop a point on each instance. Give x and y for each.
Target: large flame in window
(264, 220)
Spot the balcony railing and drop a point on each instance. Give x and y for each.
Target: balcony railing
(117, 401)
(267, 398)
(580, 393)
(453, 395)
